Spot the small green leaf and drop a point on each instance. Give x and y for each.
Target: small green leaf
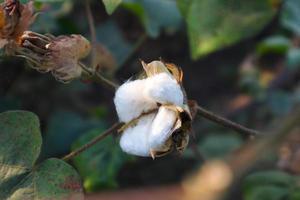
(100, 164)
(20, 178)
(268, 177)
(267, 192)
(274, 44)
(215, 24)
(269, 185)
(111, 5)
(290, 18)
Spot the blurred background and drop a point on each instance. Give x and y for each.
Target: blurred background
(240, 58)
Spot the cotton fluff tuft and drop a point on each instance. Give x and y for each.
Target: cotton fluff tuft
(151, 132)
(134, 140)
(164, 89)
(131, 102)
(162, 127)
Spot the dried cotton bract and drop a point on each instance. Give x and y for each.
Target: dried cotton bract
(15, 18)
(155, 112)
(59, 55)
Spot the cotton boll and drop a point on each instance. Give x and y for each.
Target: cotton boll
(162, 127)
(131, 102)
(163, 88)
(134, 140)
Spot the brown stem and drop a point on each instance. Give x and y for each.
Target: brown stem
(90, 21)
(225, 122)
(109, 131)
(106, 81)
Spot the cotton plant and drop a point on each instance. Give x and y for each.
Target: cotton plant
(59, 55)
(155, 112)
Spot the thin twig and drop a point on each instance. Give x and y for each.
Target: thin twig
(90, 21)
(109, 131)
(106, 81)
(92, 32)
(225, 122)
(94, 75)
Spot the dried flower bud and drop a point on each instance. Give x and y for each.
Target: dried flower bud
(60, 55)
(15, 18)
(155, 111)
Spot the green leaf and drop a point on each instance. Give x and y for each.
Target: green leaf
(269, 185)
(111, 5)
(215, 24)
(156, 15)
(274, 177)
(290, 18)
(20, 178)
(267, 193)
(52, 179)
(274, 44)
(100, 164)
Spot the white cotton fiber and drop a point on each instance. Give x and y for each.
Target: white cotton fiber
(163, 88)
(134, 140)
(161, 128)
(131, 102)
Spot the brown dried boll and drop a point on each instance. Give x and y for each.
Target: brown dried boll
(60, 55)
(15, 18)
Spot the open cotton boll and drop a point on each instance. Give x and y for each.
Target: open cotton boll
(163, 88)
(162, 127)
(134, 140)
(131, 102)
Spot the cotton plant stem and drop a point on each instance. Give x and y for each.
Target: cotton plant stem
(90, 21)
(226, 122)
(97, 139)
(94, 75)
(106, 81)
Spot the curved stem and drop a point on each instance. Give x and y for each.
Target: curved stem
(108, 82)
(225, 122)
(109, 131)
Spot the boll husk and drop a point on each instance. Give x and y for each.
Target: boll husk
(155, 112)
(58, 55)
(15, 18)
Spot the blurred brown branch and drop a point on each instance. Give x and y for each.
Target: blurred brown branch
(225, 122)
(216, 179)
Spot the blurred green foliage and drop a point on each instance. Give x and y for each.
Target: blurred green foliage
(215, 24)
(155, 15)
(271, 185)
(20, 176)
(210, 26)
(99, 165)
